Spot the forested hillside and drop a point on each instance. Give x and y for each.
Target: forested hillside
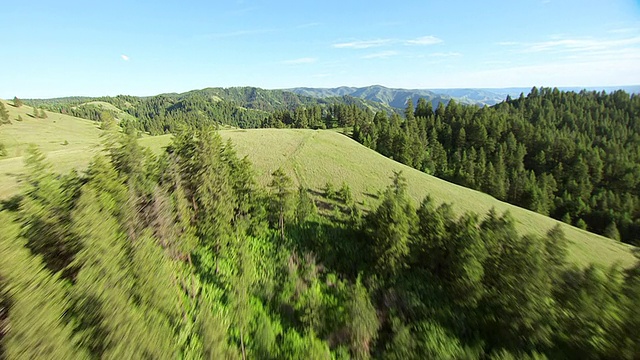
(573, 156)
(397, 98)
(244, 107)
(183, 255)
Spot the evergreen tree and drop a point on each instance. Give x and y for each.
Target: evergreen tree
(4, 114)
(281, 199)
(205, 179)
(362, 323)
(306, 207)
(37, 304)
(17, 102)
(45, 211)
(389, 228)
(111, 319)
(612, 232)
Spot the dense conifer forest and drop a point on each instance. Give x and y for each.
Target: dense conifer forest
(183, 255)
(573, 156)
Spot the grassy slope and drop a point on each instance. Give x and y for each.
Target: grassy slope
(120, 114)
(316, 157)
(311, 157)
(50, 134)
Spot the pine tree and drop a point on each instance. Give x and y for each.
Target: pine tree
(281, 198)
(107, 320)
(205, 179)
(242, 283)
(4, 114)
(362, 321)
(111, 320)
(45, 210)
(389, 228)
(518, 309)
(38, 302)
(611, 231)
(157, 292)
(17, 102)
(107, 121)
(211, 330)
(305, 207)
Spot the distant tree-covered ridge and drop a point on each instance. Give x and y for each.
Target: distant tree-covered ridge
(573, 156)
(183, 255)
(244, 107)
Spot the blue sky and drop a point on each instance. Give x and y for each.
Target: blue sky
(63, 48)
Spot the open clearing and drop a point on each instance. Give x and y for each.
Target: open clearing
(311, 157)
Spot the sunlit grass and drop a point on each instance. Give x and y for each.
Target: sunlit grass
(69, 143)
(314, 157)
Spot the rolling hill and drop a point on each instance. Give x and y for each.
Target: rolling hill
(311, 157)
(397, 98)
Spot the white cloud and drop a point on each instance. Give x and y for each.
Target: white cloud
(124, 57)
(573, 44)
(622, 30)
(238, 33)
(304, 60)
(585, 72)
(445, 54)
(508, 43)
(380, 55)
(362, 44)
(308, 25)
(424, 40)
(580, 44)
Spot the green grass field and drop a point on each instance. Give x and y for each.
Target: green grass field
(311, 157)
(69, 143)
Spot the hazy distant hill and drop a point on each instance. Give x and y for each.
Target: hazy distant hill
(397, 98)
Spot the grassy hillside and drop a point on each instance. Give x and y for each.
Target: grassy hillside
(119, 113)
(69, 143)
(314, 157)
(311, 157)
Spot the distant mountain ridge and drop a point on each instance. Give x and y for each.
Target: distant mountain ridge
(397, 97)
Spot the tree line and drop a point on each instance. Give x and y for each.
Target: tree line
(184, 255)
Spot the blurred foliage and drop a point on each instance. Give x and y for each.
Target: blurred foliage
(183, 255)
